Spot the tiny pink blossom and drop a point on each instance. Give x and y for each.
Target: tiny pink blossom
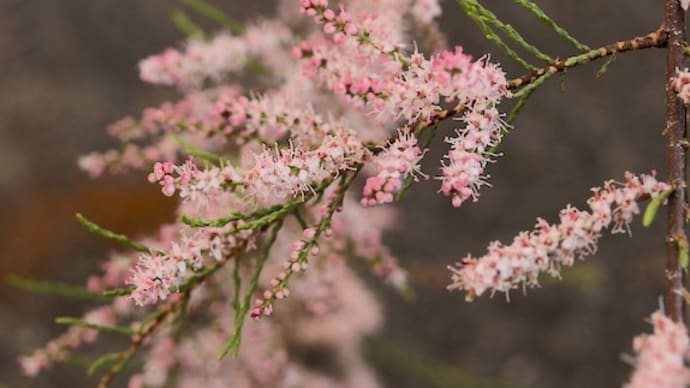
(681, 81)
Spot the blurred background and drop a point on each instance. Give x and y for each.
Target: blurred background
(69, 69)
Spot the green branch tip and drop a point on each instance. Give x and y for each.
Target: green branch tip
(110, 235)
(102, 361)
(605, 67)
(216, 14)
(653, 207)
(473, 10)
(683, 254)
(259, 218)
(185, 24)
(117, 292)
(191, 150)
(560, 31)
(90, 325)
(509, 31)
(51, 288)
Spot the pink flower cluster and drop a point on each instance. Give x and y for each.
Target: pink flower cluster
(161, 273)
(661, 356)
(195, 185)
(376, 74)
(393, 165)
(270, 117)
(339, 25)
(154, 277)
(685, 4)
(276, 175)
(195, 115)
(291, 172)
(548, 247)
(462, 174)
(681, 84)
(217, 58)
(414, 88)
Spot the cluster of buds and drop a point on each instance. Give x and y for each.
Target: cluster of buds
(393, 165)
(298, 262)
(195, 184)
(338, 25)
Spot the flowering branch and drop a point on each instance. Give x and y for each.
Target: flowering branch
(344, 94)
(159, 316)
(527, 83)
(549, 247)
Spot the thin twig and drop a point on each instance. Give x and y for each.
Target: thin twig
(656, 39)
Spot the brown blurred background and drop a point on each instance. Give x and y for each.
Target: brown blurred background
(69, 69)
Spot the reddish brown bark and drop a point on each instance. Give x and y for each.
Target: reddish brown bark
(676, 159)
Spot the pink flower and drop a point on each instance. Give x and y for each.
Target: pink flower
(93, 163)
(661, 356)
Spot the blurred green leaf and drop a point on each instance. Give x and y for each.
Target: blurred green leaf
(396, 356)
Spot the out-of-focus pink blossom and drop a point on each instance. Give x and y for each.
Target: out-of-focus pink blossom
(215, 59)
(661, 356)
(426, 10)
(59, 348)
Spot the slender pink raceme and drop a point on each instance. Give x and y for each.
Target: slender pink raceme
(551, 246)
(59, 349)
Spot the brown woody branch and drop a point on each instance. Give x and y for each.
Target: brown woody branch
(676, 160)
(656, 39)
